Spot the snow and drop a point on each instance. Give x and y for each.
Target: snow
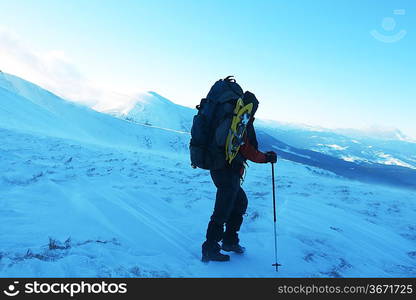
(350, 158)
(85, 194)
(152, 109)
(344, 143)
(287, 150)
(389, 160)
(335, 147)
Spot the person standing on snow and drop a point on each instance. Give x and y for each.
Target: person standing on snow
(231, 200)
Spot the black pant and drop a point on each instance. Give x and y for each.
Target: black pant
(230, 206)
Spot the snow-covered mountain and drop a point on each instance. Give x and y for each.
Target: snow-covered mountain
(349, 145)
(29, 108)
(393, 134)
(154, 110)
(84, 193)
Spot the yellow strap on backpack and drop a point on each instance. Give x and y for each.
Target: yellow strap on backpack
(242, 114)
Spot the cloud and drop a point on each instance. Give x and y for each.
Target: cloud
(54, 71)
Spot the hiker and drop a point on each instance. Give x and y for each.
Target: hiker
(231, 200)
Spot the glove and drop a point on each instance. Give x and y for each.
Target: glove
(271, 157)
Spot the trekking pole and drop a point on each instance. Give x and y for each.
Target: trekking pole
(276, 264)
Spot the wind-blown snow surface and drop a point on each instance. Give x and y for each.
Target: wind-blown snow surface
(86, 194)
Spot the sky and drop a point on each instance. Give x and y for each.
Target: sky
(334, 64)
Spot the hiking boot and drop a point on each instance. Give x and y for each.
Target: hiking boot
(211, 252)
(206, 257)
(233, 248)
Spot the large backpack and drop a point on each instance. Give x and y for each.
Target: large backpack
(211, 125)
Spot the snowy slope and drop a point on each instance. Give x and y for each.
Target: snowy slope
(153, 109)
(26, 107)
(132, 214)
(87, 194)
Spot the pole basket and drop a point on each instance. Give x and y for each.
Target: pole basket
(277, 265)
